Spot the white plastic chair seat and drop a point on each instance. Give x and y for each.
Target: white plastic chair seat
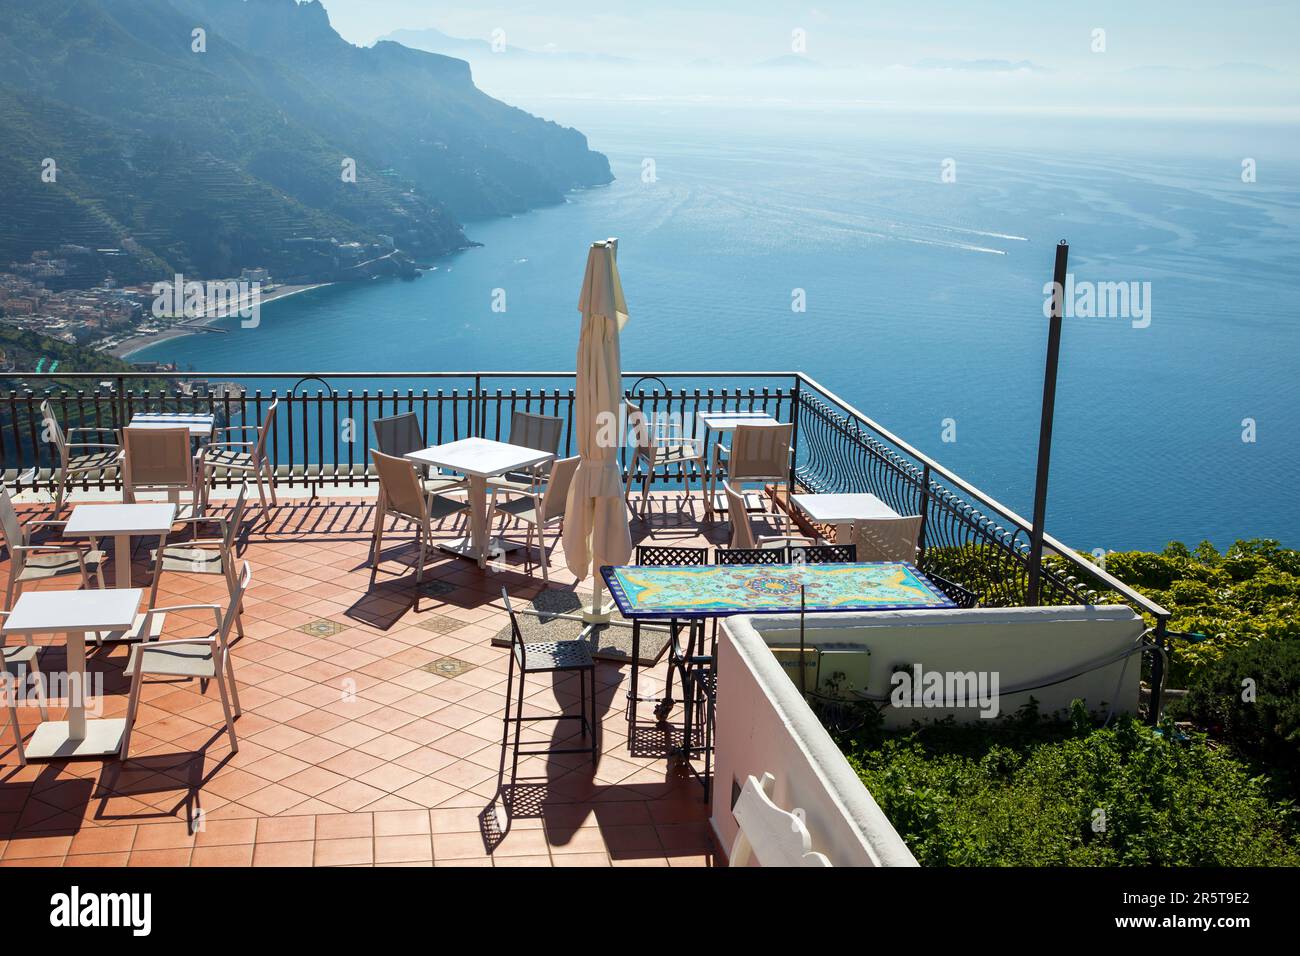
(522, 508)
(174, 659)
(95, 461)
(40, 567)
(676, 453)
(518, 483)
(23, 654)
(177, 557)
(218, 457)
(441, 507)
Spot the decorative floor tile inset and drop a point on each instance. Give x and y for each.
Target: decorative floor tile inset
(440, 623)
(448, 667)
(321, 628)
(438, 588)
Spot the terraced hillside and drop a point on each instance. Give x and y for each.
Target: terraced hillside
(209, 160)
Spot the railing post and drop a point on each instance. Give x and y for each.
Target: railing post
(1157, 669)
(477, 411)
(121, 401)
(925, 512)
(794, 433)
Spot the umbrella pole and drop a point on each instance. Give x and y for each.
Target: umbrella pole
(597, 613)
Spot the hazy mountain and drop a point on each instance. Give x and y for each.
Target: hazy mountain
(211, 160)
(435, 41)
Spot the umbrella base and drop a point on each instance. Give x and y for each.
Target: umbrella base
(596, 614)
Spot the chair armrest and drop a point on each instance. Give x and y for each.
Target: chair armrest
(90, 428)
(236, 428)
(232, 444)
(93, 444)
(53, 548)
(179, 640)
(203, 519)
(532, 491)
(45, 523)
(214, 608)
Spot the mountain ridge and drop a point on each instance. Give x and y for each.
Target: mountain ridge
(209, 161)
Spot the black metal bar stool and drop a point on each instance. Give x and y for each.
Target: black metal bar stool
(655, 556)
(546, 657)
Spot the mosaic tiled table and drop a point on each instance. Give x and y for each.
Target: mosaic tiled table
(694, 593)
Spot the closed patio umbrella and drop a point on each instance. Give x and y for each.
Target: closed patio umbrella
(595, 524)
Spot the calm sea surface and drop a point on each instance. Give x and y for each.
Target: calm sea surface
(923, 298)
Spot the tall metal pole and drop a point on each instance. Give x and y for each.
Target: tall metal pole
(1045, 426)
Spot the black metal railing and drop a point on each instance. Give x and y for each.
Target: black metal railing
(322, 438)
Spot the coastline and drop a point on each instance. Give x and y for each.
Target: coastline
(136, 343)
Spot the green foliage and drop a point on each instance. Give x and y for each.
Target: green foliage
(1030, 792)
(1250, 697)
(1249, 593)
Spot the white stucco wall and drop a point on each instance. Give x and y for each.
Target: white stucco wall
(763, 724)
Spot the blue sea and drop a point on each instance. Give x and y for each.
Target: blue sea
(924, 297)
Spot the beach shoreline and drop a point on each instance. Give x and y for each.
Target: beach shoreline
(136, 343)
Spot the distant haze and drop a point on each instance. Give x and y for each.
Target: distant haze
(1160, 57)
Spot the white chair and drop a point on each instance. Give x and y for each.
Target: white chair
(539, 506)
(20, 666)
(39, 562)
(210, 555)
(887, 539)
(399, 435)
(207, 658)
(159, 459)
(660, 444)
(538, 432)
(758, 453)
(769, 835)
(402, 496)
(742, 532)
(244, 458)
(74, 461)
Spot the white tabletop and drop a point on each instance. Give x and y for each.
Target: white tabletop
(92, 609)
(94, 520)
(727, 421)
(198, 423)
(836, 509)
(480, 457)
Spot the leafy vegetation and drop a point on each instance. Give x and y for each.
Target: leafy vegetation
(1030, 791)
(1249, 593)
(1250, 698)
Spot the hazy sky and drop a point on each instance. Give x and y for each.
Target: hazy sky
(1183, 33)
(1231, 59)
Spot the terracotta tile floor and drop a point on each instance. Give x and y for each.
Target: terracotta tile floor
(351, 752)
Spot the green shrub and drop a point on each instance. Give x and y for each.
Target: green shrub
(1250, 698)
(1028, 792)
(1250, 592)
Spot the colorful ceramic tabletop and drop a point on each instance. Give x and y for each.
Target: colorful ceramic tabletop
(720, 590)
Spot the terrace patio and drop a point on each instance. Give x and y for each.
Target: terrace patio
(400, 773)
(371, 732)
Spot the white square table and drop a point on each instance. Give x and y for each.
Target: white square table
(842, 510)
(74, 613)
(199, 424)
(120, 522)
(478, 459)
(727, 421)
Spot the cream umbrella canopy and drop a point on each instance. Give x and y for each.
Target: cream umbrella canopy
(595, 518)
